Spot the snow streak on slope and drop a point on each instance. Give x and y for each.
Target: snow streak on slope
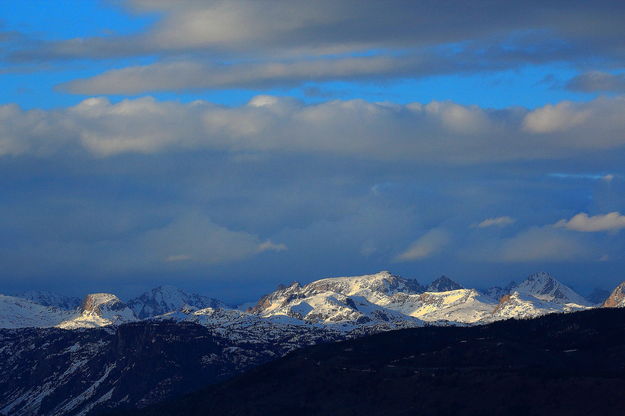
(53, 372)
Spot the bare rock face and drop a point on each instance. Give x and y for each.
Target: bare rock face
(99, 303)
(617, 298)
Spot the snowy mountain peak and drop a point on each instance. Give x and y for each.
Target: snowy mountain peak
(545, 287)
(100, 309)
(382, 282)
(616, 298)
(344, 301)
(443, 284)
(164, 299)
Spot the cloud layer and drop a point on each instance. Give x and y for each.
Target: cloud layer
(252, 44)
(131, 187)
(442, 132)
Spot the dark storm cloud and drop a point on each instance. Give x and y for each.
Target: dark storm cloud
(230, 44)
(347, 25)
(145, 187)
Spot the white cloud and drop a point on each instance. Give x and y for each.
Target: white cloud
(427, 245)
(271, 246)
(560, 117)
(186, 75)
(496, 222)
(438, 132)
(583, 222)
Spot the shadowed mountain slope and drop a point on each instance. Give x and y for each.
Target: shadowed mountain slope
(561, 364)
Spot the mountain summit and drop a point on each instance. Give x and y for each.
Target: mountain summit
(100, 309)
(443, 284)
(545, 287)
(616, 298)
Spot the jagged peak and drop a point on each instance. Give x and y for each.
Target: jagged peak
(616, 298)
(544, 286)
(443, 284)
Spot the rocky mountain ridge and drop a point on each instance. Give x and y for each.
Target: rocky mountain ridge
(355, 303)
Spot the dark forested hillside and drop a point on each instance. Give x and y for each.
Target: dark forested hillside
(561, 364)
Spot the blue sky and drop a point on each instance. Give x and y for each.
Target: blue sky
(226, 147)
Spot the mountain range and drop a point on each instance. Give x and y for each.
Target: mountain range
(63, 359)
(355, 303)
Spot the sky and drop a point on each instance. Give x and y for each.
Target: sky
(226, 147)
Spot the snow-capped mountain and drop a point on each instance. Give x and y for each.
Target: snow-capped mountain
(443, 284)
(545, 287)
(381, 296)
(616, 298)
(164, 299)
(376, 298)
(21, 313)
(342, 302)
(369, 286)
(367, 303)
(521, 306)
(100, 368)
(100, 309)
(46, 298)
(464, 306)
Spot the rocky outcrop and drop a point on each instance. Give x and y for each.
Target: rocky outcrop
(616, 298)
